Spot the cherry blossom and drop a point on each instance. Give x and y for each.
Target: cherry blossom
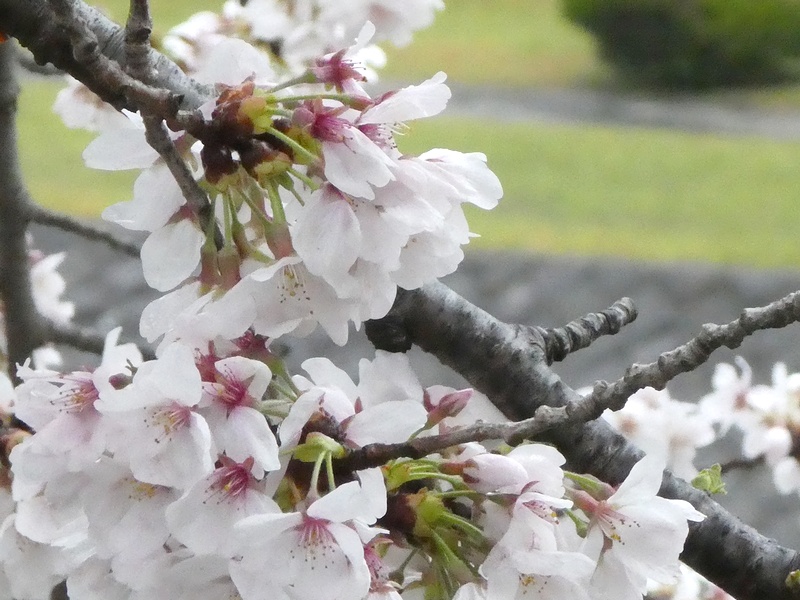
(634, 534)
(204, 517)
(159, 430)
(317, 548)
(660, 425)
(362, 417)
(238, 428)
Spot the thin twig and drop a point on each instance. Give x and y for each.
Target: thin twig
(559, 342)
(157, 136)
(87, 231)
(742, 463)
(137, 40)
(137, 48)
(80, 338)
(696, 351)
(373, 455)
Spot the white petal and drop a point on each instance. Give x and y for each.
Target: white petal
(387, 423)
(171, 254)
(119, 149)
(327, 235)
(413, 102)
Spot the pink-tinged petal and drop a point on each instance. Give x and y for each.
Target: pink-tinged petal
(335, 403)
(171, 254)
(176, 459)
(641, 484)
(471, 591)
(319, 555)
(387, 423)
(260, 530)
(255, 374)
(477, 184)
(387, 378)
(175, 375)
(233, 60)
(80, 108)
(356, 164)
(46, 524)
(126, 516)
(413, 102)
(326, 374)
(204, 517)
(327, 235)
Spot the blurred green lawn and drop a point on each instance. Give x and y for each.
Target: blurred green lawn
(574, 189)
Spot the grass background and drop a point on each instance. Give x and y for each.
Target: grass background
(650, 194)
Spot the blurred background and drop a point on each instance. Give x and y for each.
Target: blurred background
(648, 129)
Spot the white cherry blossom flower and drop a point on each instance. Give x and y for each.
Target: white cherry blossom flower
(125, 516)
(635, 534)
(29, 569)
(159, 430)
(312, 550)
(363, 419)
(660, 425)
(231, 411)
(204, 517)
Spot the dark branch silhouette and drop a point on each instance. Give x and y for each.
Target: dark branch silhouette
(697, 351)
(23, 325)
(86, 230)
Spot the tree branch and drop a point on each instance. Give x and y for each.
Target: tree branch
(559, 342)
(35, 23)
(23, 324)
(87, 231)
(697, 351)
(375, 455)
(80, 338)
(508, 363)
(137, 47)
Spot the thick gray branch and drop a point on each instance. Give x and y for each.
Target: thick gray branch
(505, 363)
(36, 25)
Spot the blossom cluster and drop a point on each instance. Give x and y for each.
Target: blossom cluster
(210, 471)
(670, 429)
(768, 416)
(295, 33)
(197, 476)
(317, 216)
